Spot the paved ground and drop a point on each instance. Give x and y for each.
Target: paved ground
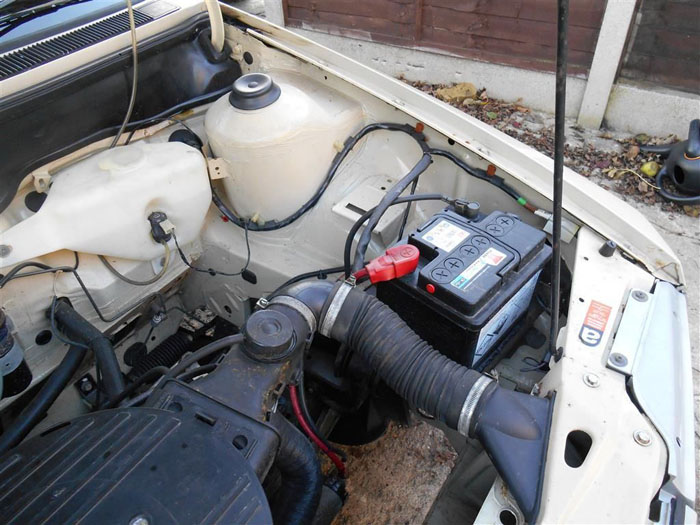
(400, 474)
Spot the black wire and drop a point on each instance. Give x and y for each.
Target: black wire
(191, 374)
(407, 211)
(389, 198)
(211, 271)
(44, 269)
(478, 173)
(205, 351)
(320, 274)
(152, 374)
(347, 252)
(134, 124)
(539, 365)
(156, 121)
(337, 161)
(305, 412)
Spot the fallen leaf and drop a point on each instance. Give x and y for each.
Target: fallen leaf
(642, 138)
(457, 93)
(692, 211)
(650, 169)
(632, 152)
(491, 114)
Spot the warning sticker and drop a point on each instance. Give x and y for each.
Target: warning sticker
(594, 324)
(445, 235)
(491, 257)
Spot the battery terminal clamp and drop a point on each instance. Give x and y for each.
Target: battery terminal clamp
(398, 261)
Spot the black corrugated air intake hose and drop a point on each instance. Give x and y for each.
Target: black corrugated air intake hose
(513, 427)
(297, 500)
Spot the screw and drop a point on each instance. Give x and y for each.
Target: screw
(157, 318)
(86, 386)
(5, 250)
(642, 437)
(139, 520)
(640, 296)
(618, 359)
(591, 380)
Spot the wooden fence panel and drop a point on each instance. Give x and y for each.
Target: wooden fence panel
(665, 45)
(512, 32)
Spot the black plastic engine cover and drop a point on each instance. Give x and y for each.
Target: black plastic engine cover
(116, 465)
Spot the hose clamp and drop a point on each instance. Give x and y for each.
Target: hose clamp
(298, 306)
(467, 412)
(334, 307)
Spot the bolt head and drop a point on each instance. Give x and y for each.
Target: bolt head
(640, 296)
(139, 520)
(618, 359)
(642, 437)
(591, 380)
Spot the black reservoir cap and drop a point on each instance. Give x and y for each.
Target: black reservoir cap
(254, 91)
(269, 336)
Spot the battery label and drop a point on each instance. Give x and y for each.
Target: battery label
(491, 257)
(504, 319)
(445, 235)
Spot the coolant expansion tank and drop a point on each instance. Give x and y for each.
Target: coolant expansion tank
(278, 136)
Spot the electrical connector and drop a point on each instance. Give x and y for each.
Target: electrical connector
(161, 227)
(398, 261)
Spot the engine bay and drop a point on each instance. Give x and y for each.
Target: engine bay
(236, 288)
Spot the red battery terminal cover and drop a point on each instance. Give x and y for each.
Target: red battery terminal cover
(398, 261)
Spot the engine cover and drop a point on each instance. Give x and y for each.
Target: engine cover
(118, 465)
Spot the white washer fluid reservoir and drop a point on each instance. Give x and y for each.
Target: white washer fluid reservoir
(101, 204)
(278, 135)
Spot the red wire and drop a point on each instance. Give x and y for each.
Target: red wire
(359, 274)
(293, 394)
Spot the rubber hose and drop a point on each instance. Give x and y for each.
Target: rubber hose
(77, 327)
(297, 499)
(37, 407)
(513, 427)
(427, 379)
(678, 199)
(167, 353)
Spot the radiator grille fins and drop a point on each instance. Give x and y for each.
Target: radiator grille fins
(34, 55)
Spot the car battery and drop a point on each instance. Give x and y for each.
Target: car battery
(475, 279)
